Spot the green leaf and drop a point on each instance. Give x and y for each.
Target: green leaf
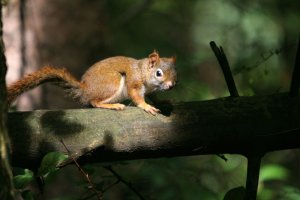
(273, 172)
(24, 177)
(235, 194)
(50, 163)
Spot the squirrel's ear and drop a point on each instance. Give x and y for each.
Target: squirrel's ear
(174, 59)
(153, 58)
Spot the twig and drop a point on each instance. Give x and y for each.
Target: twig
(262, 59)
(111, 185)
(103, 190)
(219, 53)
(295, 84)
(119, 178)
(92, 186)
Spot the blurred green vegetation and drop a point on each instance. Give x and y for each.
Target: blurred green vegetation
(259, 39)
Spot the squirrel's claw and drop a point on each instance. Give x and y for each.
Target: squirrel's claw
(152, 110)
(149, 109)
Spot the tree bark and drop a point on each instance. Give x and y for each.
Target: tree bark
(6, 183)
(238, 125)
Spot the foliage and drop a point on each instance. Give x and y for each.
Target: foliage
(51, 162)
(24, 178)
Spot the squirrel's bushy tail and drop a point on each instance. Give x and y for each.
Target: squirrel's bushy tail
(45, 74)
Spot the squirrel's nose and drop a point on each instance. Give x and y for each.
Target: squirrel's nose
(169, 85)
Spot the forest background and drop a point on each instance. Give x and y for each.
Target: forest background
(259, 38)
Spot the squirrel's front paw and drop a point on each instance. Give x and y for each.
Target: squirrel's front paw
(148, 108)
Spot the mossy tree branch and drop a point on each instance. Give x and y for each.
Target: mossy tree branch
(238, 125)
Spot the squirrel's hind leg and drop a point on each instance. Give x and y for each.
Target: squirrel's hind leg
(113, 106)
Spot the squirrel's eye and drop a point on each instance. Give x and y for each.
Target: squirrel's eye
(159, 73)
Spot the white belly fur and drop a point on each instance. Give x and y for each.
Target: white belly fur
(120, 95)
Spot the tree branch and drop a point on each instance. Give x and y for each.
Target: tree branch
(295, 84)
(228, 125)
(220, 54)
(253, 169)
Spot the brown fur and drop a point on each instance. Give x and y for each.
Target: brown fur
(45, 74)
(108, 82)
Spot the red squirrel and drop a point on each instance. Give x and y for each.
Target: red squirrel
(108, 82)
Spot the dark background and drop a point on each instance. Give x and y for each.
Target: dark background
(258, 37)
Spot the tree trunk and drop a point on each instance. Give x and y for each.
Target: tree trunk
(6, 184)
(36, 35)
